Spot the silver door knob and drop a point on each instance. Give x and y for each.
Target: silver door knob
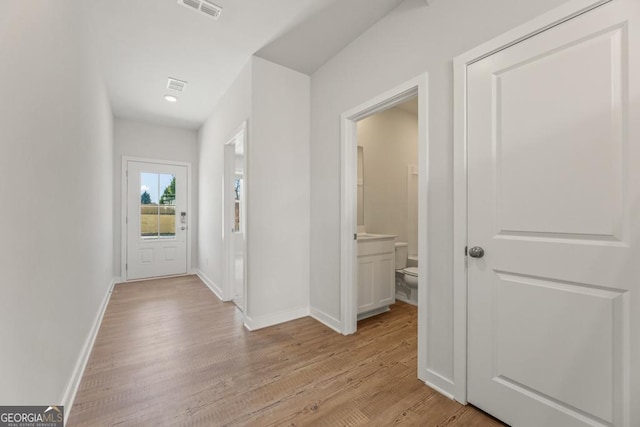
(476, 252)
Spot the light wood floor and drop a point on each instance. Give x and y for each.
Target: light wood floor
(170, 353)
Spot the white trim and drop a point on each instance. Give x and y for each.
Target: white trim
(442, 384)
(325, 319)
(210, 284)
(550, 19)
(405, 299)
(228, 264)
(440, 389)
(124, 207)
(253, 324)
(227, 222)
(81, 364)
(348, 215)
(246, 125)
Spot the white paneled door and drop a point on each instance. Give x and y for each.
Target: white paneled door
(553, 131)
(156, 220)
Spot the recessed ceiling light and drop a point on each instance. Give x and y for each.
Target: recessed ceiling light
(171, 98)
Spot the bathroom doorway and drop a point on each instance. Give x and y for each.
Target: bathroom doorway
(412, 94)
(388, 208)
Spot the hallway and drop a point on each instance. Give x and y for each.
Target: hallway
(169, 352)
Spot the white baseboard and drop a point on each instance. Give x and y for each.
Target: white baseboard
(326, 320)
(210, 284)
(439, 383)
(375, 312)
(402, 298)
(72, 387)
(260, 322)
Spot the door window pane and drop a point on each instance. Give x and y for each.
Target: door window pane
(157, 206)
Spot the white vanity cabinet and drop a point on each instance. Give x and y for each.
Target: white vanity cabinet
(376, 274)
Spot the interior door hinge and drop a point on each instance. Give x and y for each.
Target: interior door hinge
(465, 251)
(355, 236)
(126, 267)
(126, 220)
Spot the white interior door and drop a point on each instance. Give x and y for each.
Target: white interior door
(235, 219)
(156, 220)
(554, 200)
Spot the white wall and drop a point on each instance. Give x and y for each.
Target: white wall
(151, 141)
(275, 101)
(390, 144)
(56, 181)
(278, 195)
(411, 40)
(232, 110)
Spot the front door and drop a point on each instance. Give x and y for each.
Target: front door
(554, 201)
(156, 220)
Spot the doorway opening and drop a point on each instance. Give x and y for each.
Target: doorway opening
(379, 266)
(387, 209)
(235, 218)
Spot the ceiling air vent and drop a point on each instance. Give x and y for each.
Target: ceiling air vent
(175, 84)
(206, 7)
(191, 3)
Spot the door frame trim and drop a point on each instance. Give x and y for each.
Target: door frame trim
(124, 209)
(536, 26)
(228, 288)
(417, 86)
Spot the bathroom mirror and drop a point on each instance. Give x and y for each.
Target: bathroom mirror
(360, 186)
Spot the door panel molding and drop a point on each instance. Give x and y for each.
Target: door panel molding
(523, 32)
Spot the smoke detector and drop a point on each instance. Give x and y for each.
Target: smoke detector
(206, 7)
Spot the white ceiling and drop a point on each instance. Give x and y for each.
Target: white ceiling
(316, 40)
(141, 43)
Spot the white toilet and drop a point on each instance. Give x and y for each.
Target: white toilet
(406, 277)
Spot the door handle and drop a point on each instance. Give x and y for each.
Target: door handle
(476, 252)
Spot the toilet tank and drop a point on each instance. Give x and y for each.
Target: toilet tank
(402, 251)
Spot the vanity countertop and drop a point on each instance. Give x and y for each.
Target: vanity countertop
(367, 237)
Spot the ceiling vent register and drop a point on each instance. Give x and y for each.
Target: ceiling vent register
(206, 7)
(175, 84)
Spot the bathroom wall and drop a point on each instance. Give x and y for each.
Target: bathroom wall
(390, 145)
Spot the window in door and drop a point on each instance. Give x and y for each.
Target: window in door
(157, 206)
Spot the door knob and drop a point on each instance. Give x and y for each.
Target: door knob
(476, 252)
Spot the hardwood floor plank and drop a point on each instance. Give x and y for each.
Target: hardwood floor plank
(170, 353)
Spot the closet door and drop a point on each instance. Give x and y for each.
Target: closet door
(554, 202)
